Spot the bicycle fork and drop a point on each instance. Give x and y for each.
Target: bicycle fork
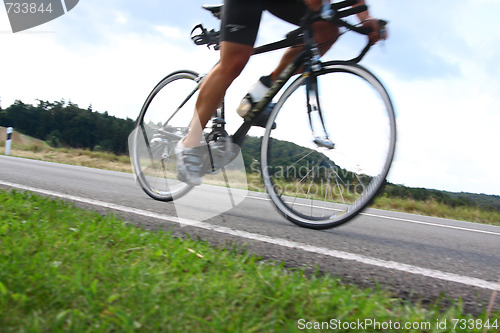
(313, 105)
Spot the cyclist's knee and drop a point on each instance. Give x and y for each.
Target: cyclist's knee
(234, 58)
(231, 68)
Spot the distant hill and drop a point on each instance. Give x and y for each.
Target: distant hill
(19, 138)
(483, 200)
(251, 152)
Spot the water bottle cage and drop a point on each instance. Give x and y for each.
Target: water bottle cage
(210, 38)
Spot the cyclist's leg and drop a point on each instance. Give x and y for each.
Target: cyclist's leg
(325, 34)
(188, 155)
(239, 26)
(233, 59)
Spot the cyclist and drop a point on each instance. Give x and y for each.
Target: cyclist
(239, 27)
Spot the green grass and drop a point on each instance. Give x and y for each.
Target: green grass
(437, 209)
(64, 269)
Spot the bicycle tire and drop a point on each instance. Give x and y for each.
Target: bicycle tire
(162, 122)
(317, 187)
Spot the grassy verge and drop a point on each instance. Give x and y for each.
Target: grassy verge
(82, 157)
(65, 269)
(434, 208)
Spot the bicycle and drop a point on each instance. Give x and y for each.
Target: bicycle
(336, 160)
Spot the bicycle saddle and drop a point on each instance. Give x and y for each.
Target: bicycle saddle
(216, 10)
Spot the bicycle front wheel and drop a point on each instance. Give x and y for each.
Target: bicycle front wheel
(322, 180)
(163, 121)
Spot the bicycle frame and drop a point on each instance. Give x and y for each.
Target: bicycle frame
(239, 136)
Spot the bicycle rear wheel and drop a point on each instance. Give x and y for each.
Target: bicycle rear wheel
(318, 185)
(163, 121)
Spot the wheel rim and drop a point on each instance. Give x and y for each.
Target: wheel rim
(163, 121)
(319, 187)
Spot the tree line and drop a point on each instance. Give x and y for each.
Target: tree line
(63, 124)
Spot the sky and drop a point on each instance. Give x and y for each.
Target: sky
(440, 66)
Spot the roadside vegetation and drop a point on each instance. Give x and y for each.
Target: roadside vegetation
(82, 157)
(437, 209)
(66, 269)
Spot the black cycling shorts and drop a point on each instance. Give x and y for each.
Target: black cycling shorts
(241, 18)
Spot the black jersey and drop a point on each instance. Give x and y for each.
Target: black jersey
(241, 18)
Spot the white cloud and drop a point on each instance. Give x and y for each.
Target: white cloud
(170, 32)
(121, 18)
(447, 135)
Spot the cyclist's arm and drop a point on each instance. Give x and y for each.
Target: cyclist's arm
(369, 22)
(363, 16)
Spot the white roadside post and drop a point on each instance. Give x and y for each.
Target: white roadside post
(9, 140)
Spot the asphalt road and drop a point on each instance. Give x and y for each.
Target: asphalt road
(414, 256)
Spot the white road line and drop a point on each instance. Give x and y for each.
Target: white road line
(435, 224)
(435, 274)
(406, 220)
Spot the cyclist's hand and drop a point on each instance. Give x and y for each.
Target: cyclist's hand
(375, 28)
